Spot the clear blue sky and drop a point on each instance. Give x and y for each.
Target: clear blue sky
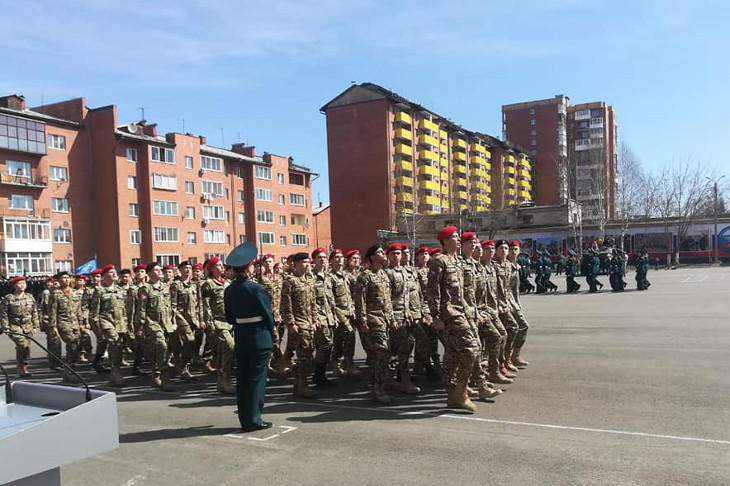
(262, 69)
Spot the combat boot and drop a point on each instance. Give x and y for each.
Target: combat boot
(136, 371)
(406, 385)
(224, 384)
(498, 378)
(208, 368)
(82, 357)
(379, 396)
(282, 367)
(351, 369)
(185, 374)
(431, 374)
(418, 367)
(116, 378)
(511, 367)
(166, 385)
(320, 377)
(505, 373)
(485, 393)
(517, 359)
(437, 366)
(156, 381)
(457, 399)
(23, 371)
(337, 369)
(302, 388)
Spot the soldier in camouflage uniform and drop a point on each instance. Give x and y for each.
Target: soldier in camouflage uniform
(344, 342)
(426, 352)
(153, 322)
(299, 312)
(374, 317)
(493, 333)
(85, 346)
(516, 358)
(213, 292)
(445, 295)
(101, 343)
(184, 302)
(168, 274)
(323, 336)
(137, 345)
(107, 311)
(19, 313)
(503, 269)
(66, 319)
(272, 283)
(204, 335)
(400, 337)
(53, 340)
(419, 312)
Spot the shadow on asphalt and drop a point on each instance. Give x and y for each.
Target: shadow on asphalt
(167, 434)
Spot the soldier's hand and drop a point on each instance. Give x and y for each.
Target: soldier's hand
(393, 325)
(438, 324)
(201, 324)
(364, 328)
(33, 332)
(480, 321)
(54, 331)
(317, 324)
(140, 333)
(428, 319)
(294, 330)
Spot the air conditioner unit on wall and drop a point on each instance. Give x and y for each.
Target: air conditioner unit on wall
(206, 221)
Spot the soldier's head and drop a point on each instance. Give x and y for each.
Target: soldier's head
(51, 283)
(501, 250)
(375, 256)
(476, 253)
(514, 249)
(267, 264)
(393, 254)
(197, 271)
(80, 281)
(154, 272)
(278, 268)
(96, 277)
(185, 269)
(140, 271)
(468, 241)
(108, 275)
(449, 239)
(301, 263)
(353, 259)
(337, 259)
(168, 272)
(64, 280)
(488, 248)
(19, 284)
(319, 257)
(405, 254)
(422, 256)
(125, 276)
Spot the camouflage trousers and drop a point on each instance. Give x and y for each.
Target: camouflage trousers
(53, 344)
(70, 335)
(461, 351)
(101, 342)
(225, 345)
(85, 341)
(493, 337)
(182, 343)
(402, 343)
(378, 345)
(156, 345)
(22, 344)
(323, 344)
(344, 341)
(522, 327)
(204, 339)
(114, 343)
(427, 343)
(477, 376)
(304, 351)
(511, 326)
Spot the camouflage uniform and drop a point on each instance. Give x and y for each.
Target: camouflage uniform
(85, 346)
(66, 318)
(101, 343)
(401, 340)
(153, 317)
(107, 312)
(326, 316)
(19, 314)
(373, 309)
(272, 285)
(53, 341)
(204, 338)
(344, 345)
(184, 304)
(214, 314)
(522, 326)
(299, 308)
(505, 304)
(492, 332)
(419, 312)
(427, 343)
(138, 346)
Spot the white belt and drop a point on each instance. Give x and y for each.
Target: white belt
(248, 320)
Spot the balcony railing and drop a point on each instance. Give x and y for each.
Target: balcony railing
(24, 180)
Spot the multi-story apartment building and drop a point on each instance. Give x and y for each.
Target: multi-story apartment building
(390, 158)
(575, 157)
(75, 184)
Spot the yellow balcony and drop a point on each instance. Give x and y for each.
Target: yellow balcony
(510, 158)
(444, 175)
(525, 184)
(487, 154)
(428, 155)
(458, 142)
(478, 148)
(509, 181)
(459, 169)
(428, 125)
(428, 140)
(403, 117)
(488, 177)
(524, 173)
(444, 163)
(443, 135)
(406, 210)
(431, 211)
(477, 159)
(403, 134)
(445, 206)
(509, 169)
(460, 194)
(478, 172)
(487, 166)
(463, 206)
(525, 164)
(444, 148)
(434, 200)
(404, 165)
(459, 181)
(511, 192)
(430, 170)
(403, 149)
(460, 156)
(481, 185)
(404, 197)
(404, 181)
(480, 207)
(433, 185)
(444, 189)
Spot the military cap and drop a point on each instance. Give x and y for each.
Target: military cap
(405, 246)
(446, 232)
(107, 268)
(50, 278)
(242, 255)
(60, 274)
(212, 262)
(488, 243)
(394, 247)
(151, 266)
(125, 271)
(351, 253)
(514, 243)
(184, 263)
(169, 267)
(95, 272)
(139, 267)
(291, 257)
(371, 251)
(17, 279)
(335, 252)
(298, 257)
(422, 249)
(469, 235)
(198, 266)
(80, 276)
(499, 243)
(434, 251)
(278, 264)
(317, 251)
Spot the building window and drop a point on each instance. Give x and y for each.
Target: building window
(62, 236)
(166, 182)
(132, 182)
(265, 238)
(239, 171)
(532, 111)
(264, 194)
(241, 218)
(193, 260)
(59, 205)
(532, 122)
(136, 261)
(299, 240)
(282, 220)
(163, 234)
(297, 179)
(533, 142)
(222, 256)
(213, 212)
(214, 236)
(57, 142)
(164, 208)
(189, 187)
(282, 240)
(282, 200)
(242, 239)
(280, 178)
(167, 259)
(135, 237)
(533, 152)
(212, 188)
(298, 220)
(131, 155)
(59, 174)
(213, 164)
(261, 172)
(19, 172)
(162, 155)
(296, 199)
(241, 196)
(189, 212)
(16, 201)
(134, 210)
(192, 238)
(188, 162)
(26, 263)
(23, 135)
(533, 132)
(264, 216)
(64, 266)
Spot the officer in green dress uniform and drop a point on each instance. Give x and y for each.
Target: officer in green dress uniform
(248, 310)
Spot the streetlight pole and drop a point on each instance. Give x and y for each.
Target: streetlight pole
(715, 240)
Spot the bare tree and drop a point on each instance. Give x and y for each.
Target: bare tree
(629, 190)
(660, 198)
(692, 185)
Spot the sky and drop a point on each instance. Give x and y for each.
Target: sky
(258, 71)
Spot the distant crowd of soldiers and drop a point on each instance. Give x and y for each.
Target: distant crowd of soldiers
(401, 301)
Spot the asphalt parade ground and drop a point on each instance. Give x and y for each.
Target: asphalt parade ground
(630, 388)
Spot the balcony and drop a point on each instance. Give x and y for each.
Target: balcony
(404, 166)
(509, 181)
(463, 206)
(487, 154)
(524, 173)
(20, 233)
(404, 181)
(428, 155)
(459, 181)
(460, 195)
(444, 175)
(477, 159)
(510, 159)
(444, 148)
(460, 156)
(404, 197)
(458, 142)
(428, 169)
(403, 134)
(510, 192)
(459, 169)
(428, 125)
(36, 182)
(428, 140)
(432, 200)
(403, 117)
(445, 206)
(444, 189)
(478, 172)
(524, 183)
(443, 135)
(432, 185)
(481, 185)
(403, 149)
(475, 147)
(508, 169)
(444, 163)
(524, 163)
(525, 195)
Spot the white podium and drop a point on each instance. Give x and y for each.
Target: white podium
(47, 426)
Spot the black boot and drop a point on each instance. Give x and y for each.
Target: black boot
(431, 374)
(320, 377)
(99, 367)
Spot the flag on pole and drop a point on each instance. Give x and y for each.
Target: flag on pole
(86, 267)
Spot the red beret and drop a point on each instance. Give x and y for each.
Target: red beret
(317, 251)
(50, 279)
(268, 255)
(446, 232)
(422, 249)
(278, 264)
(488, 243)
(95, 272)
(335, 252)
(352, 253)
(169, 267)
(394, 247)
(212, 263)
(434, 251)
(107, 268)
(405, 246)
(514, 243)
(291, 257)
(80, 277)
(197, 266)
(469, 235)
(17, 279)
(139, 267)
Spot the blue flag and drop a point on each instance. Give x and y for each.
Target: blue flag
(86, 267)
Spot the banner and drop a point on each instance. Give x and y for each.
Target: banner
(86, 267)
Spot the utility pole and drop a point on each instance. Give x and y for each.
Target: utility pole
(715, 239)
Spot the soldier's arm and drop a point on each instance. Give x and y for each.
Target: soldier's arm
(205, 293)
(360, 301)
(313, 308)
(130, 306)
(53, 321)
(94, 306)
(433, 288)
(285, 305)
(173, 301)
(4, 325)
(34, 316)
(140, 309)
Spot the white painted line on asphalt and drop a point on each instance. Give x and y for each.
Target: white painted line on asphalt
(134, 479)
(286, 430)
(686, 279)
(702, 279)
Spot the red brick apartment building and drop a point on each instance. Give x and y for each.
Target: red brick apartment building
(574, 148)
(391, 160)
(75, 184)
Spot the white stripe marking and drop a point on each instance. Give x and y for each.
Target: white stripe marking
(702, 279)
(286, 430)
(686, 280)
